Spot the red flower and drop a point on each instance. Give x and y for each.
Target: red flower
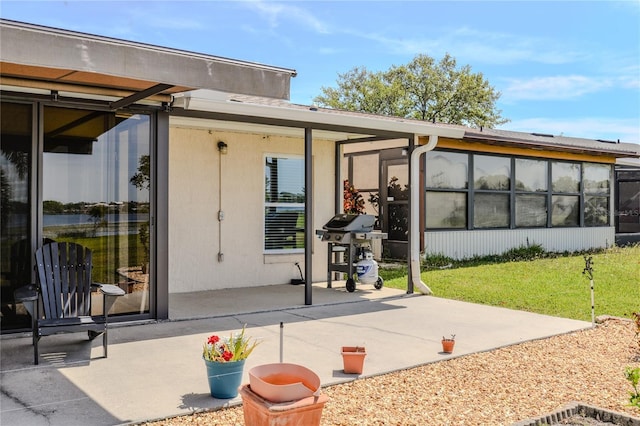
(226, 355)
(213, 340)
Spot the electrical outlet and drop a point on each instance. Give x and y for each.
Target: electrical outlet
(220, 215)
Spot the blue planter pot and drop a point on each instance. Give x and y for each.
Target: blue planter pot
(224, 378)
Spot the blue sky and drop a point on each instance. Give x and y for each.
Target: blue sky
(570, 68)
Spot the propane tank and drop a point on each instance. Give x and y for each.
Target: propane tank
(367, 269)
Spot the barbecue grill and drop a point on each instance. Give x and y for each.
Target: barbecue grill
(349, 237)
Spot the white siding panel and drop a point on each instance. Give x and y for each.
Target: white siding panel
(466, 244)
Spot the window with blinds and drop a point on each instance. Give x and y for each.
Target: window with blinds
(284, 204)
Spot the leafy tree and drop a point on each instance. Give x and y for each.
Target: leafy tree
(52, 207)
(98, 213)
(423, 89)
(142, 180)
(142, 177)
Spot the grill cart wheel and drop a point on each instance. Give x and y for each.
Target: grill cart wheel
(378, 284)
(351, 285)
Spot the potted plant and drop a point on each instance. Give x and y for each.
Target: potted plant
(352, 201)
(224, 359)
(448, 343)
(353, 359)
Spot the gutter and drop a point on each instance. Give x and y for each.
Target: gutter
(414, 214)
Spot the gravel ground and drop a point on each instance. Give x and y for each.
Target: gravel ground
(499, 387)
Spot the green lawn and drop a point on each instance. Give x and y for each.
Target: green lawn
(111, 253)
(552, 286)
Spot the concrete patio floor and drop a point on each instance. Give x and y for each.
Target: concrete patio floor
(155, 370)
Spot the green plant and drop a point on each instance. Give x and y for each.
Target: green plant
(352, 200)
(234, 348)
(437, 261)
(528, 252)
(452, 338)
(633, 376)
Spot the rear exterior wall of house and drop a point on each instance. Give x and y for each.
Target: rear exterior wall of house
(207, 253)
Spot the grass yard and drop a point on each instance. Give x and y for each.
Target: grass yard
(552, 286)
(111, 253)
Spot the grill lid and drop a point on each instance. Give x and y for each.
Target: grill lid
(346, 222)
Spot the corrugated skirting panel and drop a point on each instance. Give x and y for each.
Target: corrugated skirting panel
(467, 244)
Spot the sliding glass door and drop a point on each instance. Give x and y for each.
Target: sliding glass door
(16, 145)
(95, 192)
(75, 175)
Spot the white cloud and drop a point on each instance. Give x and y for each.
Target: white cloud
(552, 88)
(480, 47)
(605, 128)
(276, 12)
(629, 77)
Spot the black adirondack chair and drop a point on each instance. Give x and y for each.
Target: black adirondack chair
(63, 293)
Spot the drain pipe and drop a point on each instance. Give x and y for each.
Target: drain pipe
(414, 258)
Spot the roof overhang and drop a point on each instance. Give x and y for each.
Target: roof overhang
(31, 53)
(551, 143)
(211, 105)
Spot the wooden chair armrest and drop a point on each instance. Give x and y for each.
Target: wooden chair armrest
(109, 289)
(27, 293)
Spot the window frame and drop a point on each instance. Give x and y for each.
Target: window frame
(513, 192)
(491, 191)
(453, 190)
(603, 193)
(296, 206)
(518, 193)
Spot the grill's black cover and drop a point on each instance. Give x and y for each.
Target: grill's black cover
(347, 222)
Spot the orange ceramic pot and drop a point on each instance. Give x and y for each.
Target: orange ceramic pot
(260, 412)
(447, 345)
(353, 359)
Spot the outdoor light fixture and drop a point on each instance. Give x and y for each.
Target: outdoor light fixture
(222, 147)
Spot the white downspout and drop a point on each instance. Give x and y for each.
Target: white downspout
(414, 258)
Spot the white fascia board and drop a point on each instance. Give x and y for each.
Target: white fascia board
(189, 102)
(202, 123)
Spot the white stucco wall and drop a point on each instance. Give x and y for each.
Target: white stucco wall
(194, 232)
(467, 244)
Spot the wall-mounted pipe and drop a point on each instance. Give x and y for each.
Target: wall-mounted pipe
(222, 150)
(414, 214)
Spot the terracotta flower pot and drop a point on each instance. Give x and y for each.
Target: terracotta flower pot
(261, 412)
(353, 359)
(447, 345)
(283, 382)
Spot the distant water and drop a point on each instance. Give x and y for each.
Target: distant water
(85, 219)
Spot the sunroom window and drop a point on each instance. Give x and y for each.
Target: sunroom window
(492, 182)
(482, 191)
(565, 201)
(531, 187)
(596, 182)
(447, 182)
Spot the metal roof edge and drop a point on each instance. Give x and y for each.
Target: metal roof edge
(311, 114)
(475, 135)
